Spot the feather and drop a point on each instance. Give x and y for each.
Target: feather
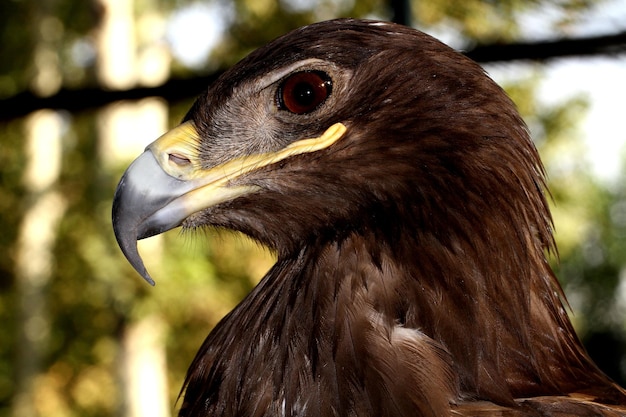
(412, 276)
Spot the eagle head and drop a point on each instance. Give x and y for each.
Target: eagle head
(334, 127)
(406, 203)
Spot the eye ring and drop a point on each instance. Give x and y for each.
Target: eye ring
(304, 91)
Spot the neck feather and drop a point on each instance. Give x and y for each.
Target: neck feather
(378, 328)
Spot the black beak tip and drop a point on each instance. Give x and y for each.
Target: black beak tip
(128, 244)
(148, 279)
(125, 226)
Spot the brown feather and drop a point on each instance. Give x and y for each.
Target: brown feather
(412, 277)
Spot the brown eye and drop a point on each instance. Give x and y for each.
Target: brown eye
(304, 91)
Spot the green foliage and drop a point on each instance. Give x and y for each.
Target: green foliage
(17, 44)
(481, 21)
(11, 160)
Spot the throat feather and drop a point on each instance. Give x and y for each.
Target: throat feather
(338, 325)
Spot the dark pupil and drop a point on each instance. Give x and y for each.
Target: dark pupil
(304, 94)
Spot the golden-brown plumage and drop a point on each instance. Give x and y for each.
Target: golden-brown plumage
(411, 277)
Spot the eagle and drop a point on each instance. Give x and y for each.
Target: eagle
(407, 207)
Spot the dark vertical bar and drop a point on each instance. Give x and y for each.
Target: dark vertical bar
(401, 12)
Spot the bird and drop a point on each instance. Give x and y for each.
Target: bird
(407, 207)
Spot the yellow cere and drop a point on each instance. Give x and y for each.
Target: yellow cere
(183, 141)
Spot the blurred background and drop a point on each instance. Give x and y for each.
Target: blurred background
(86, 85)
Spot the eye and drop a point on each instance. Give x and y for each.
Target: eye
(303, 91)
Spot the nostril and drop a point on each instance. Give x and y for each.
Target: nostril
(179, 159)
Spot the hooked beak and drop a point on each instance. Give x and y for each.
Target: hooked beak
(167, 183)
